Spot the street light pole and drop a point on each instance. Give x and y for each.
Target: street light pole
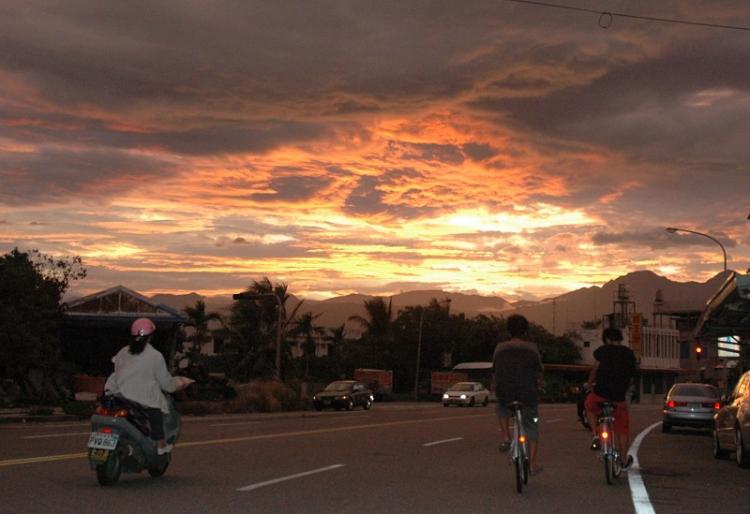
(252, 296)
(673, 230)
(419, 346)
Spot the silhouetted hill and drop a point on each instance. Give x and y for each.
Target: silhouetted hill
(564, 312)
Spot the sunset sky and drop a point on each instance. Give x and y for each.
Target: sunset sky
(347, 146)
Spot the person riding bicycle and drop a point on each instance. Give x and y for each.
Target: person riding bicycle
(517, 374)
(610, 377)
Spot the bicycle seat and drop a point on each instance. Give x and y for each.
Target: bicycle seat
(515, 405)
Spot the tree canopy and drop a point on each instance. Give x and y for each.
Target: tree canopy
(32, 286)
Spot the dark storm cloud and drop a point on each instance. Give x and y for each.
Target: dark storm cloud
(657, 239)
(478, 152)
(649, 106)
(211, 136)
(365, 198)
(52, 175)
(296, 187)
(430, 152)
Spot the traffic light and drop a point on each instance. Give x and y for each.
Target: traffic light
(698, 352)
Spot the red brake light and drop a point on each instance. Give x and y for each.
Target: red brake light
(671, 404)
(106, 430)
(121, 413)
(102, 411)
(717, 406)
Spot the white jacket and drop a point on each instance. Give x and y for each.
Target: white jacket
(141, 378)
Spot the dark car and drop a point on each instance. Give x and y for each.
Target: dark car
(344, 394)
(690, 405)
(732, 424)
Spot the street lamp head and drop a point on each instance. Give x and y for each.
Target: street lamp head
(672, 230)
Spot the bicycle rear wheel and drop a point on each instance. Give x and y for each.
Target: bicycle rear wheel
(525, 469)
(518, 462)
(609, 468)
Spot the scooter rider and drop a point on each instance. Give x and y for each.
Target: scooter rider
(141, 375)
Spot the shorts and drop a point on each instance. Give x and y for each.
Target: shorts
(621, 424)
(530, 417)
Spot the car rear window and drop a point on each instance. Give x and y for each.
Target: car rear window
(462, 387)
(694, 390)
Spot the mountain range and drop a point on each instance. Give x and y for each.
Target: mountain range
(558, 315)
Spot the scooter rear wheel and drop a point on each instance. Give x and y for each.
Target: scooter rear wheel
(109, 472)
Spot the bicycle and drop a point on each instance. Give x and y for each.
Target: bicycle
(609, 454)
(519, 447)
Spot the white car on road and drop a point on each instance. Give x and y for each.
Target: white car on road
(466, 393)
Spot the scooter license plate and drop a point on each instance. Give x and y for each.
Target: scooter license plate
(102, 441)
(96, 455)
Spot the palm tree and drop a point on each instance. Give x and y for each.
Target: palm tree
(199, 320)
(255, 323)
(378, 326)
(305, 327)
(380, 322)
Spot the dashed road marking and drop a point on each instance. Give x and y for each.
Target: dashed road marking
(252, 487)
(434, 443)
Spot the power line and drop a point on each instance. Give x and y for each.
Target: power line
(605, 17)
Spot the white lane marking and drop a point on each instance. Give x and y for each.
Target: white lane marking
(553, 420)
(290, 477)
(233, 424)
(42, 436)
(433, 443)
(638, 492)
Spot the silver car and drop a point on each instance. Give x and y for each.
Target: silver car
(732, 424)
(466, 393)
(690, 405)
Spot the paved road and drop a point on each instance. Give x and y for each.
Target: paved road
(396, 458)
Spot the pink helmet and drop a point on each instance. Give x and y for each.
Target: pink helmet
(142, 327)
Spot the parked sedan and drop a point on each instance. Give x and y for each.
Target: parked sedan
(690, 405)
(466, 393)
(732, 424)
(344, 394)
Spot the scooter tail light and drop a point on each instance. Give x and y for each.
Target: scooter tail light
(121, 413)
(605, 434)
(522, 439)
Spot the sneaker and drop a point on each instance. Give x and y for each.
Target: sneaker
(628, 462)
(166, 449)
(505, 446)
(595, 445)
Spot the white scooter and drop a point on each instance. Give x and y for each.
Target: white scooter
(120, 441)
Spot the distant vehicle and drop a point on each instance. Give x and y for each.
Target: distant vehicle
(481, 372)
(344, 394)
(466, 393)
(690, 405)
(732, 424)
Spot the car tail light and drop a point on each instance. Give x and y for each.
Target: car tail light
(103, 411)
(670, 404)
(106, 430)
(121, 413)
(717, 406)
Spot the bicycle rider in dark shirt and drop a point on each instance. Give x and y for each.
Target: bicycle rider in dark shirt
(517, 374)
(611, 376)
